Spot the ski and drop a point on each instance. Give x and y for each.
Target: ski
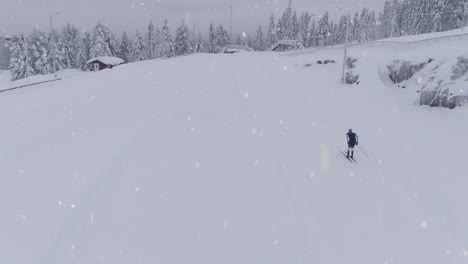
(349, 159)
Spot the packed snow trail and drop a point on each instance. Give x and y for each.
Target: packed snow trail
(228, 159)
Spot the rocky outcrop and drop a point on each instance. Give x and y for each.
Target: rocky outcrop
(447, 85)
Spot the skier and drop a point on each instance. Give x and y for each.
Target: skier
(352, 141)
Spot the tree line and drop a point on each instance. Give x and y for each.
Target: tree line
(44, 53)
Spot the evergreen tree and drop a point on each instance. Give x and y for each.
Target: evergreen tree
(4, 54)
(437, 20)
(285, 25)
(75, 54)
(221, 38)
(312, 38)
(126, 49)
(295, 26)
(99, 44)
(182, 40)
(86, 44)
(344, 29)
(304, 24)
(260, 44)
(323, 31)
(211, 39)
(139, 51)
(199, 48)
(167, 46)
(151, 41)
(38, 52)
(19, 61)
(239, 40)
(387, 20)
(271, 34)
(58, 55)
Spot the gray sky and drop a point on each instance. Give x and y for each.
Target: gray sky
(23, 15)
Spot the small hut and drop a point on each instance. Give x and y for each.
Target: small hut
(287, 45)
(101, 63)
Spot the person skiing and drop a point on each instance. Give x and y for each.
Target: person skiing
(352, 141)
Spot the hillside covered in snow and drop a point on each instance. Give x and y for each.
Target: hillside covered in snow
(236, 159)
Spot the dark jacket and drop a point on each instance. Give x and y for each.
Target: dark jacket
(352, 138)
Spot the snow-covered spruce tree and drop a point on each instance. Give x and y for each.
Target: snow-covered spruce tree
(323, 31)
(285, 25)
(125, 49)
(456, 15)
(312, 34)
(250, 42)
(295, 26)
(167, 46)
(38, 52)
(221, 38)
(437, 19)
(19, 60)
(102, 42)
(343, 29)
(139, 51)
(386, 20)
(271, 38)
(192, 40)
(76, 56)
(239, 41)
(199, 47)
(57, 56)
(4, 54)
(422, 16)
(304, 24)
(151, 41)
(211, 39)
(86, 44)
(182, 40)
(159, 42)
(260, 44)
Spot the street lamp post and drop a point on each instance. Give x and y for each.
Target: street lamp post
(53, 38)
(343, 72)
(51, 16)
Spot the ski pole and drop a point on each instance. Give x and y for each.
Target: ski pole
(363, 151)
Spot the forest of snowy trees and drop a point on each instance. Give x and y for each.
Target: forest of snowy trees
(48, 52)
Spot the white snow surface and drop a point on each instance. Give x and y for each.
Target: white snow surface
(113, 61)
(233, 159)
(6, 83)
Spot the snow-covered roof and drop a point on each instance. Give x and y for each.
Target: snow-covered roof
(286, 45)
(237, 48)
(113, 61)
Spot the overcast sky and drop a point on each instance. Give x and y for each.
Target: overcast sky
(128, 15)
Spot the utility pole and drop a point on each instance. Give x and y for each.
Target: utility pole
(53, 39)
(343, 73)
(51, 22)
(231, 24)
(348, 21)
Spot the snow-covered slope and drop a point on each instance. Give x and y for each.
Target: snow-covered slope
(231, 159)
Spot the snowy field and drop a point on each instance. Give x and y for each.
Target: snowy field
(6, 83)
(233, 159)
